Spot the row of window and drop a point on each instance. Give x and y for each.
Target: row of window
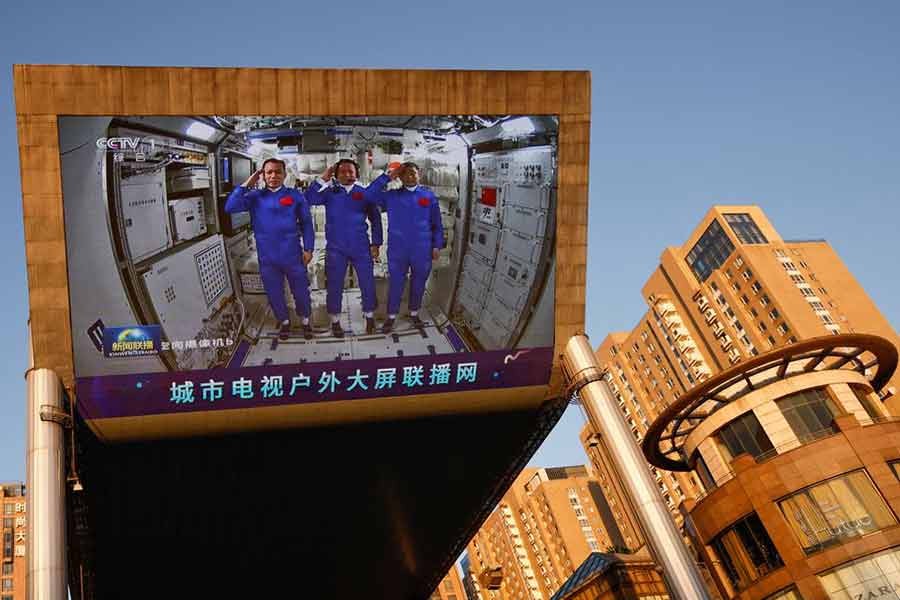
(809, 414)
(810, 296)
(822, 515)
(875, 576)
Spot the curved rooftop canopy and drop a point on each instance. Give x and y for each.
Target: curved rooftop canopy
(871, 356)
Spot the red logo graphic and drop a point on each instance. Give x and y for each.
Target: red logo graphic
(286, 200)
(357, 195)
(423, 201)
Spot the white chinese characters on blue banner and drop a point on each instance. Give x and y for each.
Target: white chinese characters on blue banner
(328, 382)
(218, 389)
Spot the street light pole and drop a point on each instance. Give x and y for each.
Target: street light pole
(584, 377)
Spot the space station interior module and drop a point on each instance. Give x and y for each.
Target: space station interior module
(149, 241)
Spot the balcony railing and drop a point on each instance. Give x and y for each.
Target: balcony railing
(804, 440)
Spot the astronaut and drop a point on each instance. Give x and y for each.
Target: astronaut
(347, 206)
(415, 237)
(279, 216)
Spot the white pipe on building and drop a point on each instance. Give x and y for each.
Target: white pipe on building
(583, 373)
(45, 494)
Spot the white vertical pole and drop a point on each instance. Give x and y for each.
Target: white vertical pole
(681, 573)
(45, 485)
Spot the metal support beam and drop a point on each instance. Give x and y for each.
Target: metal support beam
(582, 371)
(45, 486)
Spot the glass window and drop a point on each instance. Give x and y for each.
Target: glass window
(6, 585)
(7, 568)
(747, 551)
(744, 227)
(8, 509)
(745, 434)
(709, 483)
(895, 467)
(865, 578)
(810, 413)
(710, 252)
(789, 594)
(836, 510)
(7, 522)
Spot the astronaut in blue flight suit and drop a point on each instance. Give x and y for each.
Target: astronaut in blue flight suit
(415, 237)
(347, 206)
(280, 217)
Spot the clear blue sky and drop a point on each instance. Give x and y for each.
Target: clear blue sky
(792, 107)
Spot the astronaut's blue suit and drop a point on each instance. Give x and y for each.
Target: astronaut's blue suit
(347, 239)
(414, 230)
(283, 228)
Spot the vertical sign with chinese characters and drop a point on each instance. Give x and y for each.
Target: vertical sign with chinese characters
(20, 532)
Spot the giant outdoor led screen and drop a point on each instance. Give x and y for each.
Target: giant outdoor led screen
(271, 268)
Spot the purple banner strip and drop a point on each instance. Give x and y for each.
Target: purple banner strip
(275, 385)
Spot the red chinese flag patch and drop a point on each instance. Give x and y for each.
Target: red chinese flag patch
(286, 201)
(357, 195)
(489, 196)
(423, 201)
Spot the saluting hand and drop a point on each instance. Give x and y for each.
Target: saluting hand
(435, 253)
(326, 176)
(375, 251)
(307, 256)
(396, 172)
(251, 181)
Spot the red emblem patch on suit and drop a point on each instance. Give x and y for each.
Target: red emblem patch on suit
(357, 195)
(423, 201)
(286, 200)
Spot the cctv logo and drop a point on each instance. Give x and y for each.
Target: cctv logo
(118, 144)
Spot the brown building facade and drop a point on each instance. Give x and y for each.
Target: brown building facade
(801, 463)
(450, 588)
(545, 526)
(734, 290)
(13, 559)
